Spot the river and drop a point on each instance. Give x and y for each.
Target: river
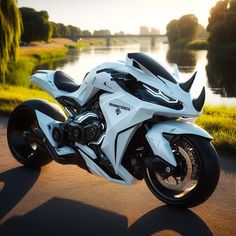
(216, 71)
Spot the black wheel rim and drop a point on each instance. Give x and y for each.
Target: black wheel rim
(21, 122)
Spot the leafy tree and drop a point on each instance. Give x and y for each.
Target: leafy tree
(86, 33)
(172, 31)
(187, 27)
(184, 28)
(230, 22)
(55, 30)
(201, 32)
(102, 32)
(74, 31)
(63, 30)
(36, 25)
(222, 23)
(215, 26)
(10, 31)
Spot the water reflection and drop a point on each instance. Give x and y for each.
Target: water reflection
(221, 73)
(71, 58)
(185, 59)
(215, 70)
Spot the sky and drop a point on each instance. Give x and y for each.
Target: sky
(120, 15)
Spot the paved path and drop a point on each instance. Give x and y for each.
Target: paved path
(65, 200)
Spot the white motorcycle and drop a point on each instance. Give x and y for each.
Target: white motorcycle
(127, 121)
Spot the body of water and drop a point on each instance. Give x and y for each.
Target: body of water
(216, 71)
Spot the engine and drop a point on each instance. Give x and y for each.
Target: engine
(85, 128)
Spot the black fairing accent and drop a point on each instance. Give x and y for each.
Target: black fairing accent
(145, 96)
(49, 109)
(114, 73)
(68, 102)
(136, 88)
(151, 65)
(65, 82)
(199, 102)
(186, 86)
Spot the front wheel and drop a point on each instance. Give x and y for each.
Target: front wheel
(194, 179)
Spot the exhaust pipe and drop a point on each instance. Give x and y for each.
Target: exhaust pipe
(186, 86)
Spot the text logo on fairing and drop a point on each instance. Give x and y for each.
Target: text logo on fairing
(119, 108)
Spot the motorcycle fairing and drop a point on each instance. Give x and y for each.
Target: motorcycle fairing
(161, 146)
(124, 113)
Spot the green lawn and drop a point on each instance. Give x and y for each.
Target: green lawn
(220, 122)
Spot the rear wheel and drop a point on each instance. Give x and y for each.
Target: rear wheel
(21, 122)
(194, 179)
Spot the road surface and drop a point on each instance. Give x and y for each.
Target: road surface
(65, 200)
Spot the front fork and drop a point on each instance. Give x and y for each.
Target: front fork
(159, 142)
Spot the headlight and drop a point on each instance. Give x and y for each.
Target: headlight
(153, 95)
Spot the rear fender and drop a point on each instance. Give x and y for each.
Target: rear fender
(161, 146)
(50, 109)
(48, 114)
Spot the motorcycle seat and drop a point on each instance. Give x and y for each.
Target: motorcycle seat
(64, 82)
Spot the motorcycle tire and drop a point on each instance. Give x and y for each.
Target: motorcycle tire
(28, 153)
(195, 178)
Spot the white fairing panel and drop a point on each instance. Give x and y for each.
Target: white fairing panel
(46, 123)
(161, 147)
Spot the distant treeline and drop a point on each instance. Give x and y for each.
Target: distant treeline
(37, 27)
(221, 29)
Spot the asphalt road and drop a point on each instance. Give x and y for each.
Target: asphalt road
(65, 200)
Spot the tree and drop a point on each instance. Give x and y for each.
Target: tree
(187, 27)
(74, 31)
(36, 25)
(216, 26)
(230, 22)
(222, 23)
(172, 31)
(101, 32)
(86, 33)
(55, 30)
(184, 28)
(63, 31)
(201, 32)
(10, 32)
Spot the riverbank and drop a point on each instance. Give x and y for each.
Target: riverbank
(30, 57)
(220, 122)
(198, 44)
(203, 44)
(37, 53)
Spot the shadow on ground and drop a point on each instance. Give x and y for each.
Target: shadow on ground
(17, 182)
(228, 163)
(68, 217)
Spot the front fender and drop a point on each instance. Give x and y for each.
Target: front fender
(161, 146)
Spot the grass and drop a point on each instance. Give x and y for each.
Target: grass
(83, 43)
(29, 57)
(220, 122)
(12, 96)
(198, 44)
